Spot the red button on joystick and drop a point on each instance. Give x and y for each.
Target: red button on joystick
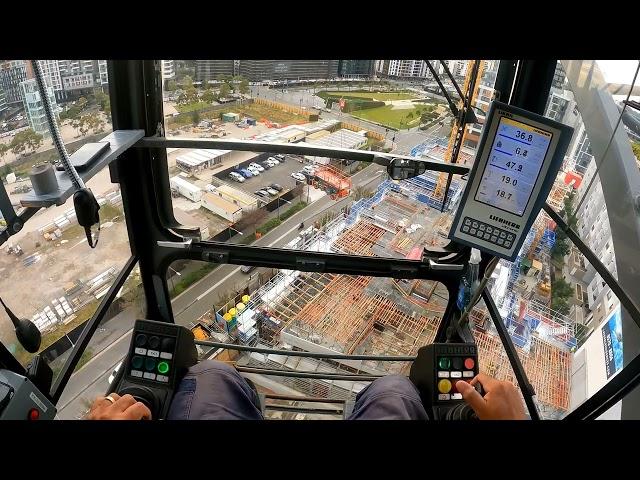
(469, 363)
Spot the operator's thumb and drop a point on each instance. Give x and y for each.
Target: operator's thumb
(471, 396)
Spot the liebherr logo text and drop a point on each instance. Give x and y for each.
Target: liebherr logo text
(503, 221)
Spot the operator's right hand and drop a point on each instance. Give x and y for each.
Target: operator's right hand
(124, 408)
(501, 401)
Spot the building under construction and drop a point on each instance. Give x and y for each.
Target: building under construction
(323, 312)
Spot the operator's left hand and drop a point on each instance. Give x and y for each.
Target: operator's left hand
(123, 408)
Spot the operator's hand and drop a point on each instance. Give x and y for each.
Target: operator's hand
(501, 401)
(124, 408)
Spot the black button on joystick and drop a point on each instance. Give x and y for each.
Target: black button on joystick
(154, 343)
(141, 339)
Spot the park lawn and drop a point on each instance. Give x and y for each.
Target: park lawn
(190, 107)
(392, 118)
(380, 96)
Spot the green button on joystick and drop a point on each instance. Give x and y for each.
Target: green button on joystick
(444, 363)
(163, 367)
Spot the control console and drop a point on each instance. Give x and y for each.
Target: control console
(435, 372)
(159, 356)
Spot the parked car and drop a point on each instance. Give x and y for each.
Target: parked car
(280, 157)
(310, 169)
(236, 176)
(247, 268)
(260, 168)
(245, 173)
(275, 186)
(261, 193)
(255, 172)
(273, 160)
(272, 192)
(298, 176)
(209, 188)
(267, 165)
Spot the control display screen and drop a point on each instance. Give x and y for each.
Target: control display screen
(513, 166)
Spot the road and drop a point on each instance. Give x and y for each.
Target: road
(112, 343)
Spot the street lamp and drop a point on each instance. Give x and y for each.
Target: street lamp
(173, 287)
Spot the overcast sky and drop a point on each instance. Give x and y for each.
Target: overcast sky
(619, 71)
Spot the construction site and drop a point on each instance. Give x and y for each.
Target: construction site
(329, 313)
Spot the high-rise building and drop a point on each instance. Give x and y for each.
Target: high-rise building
(103, 76)
(256, 70)
(355, 68)
(51, 70)
(3, 102)
(458, 68)
(595, 230)
(33, 105)
(211, 69)
(12, 73)
(168, 69)
(402, 68)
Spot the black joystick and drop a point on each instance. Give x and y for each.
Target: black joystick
(436, 371)
(26, 332)
(159, 356)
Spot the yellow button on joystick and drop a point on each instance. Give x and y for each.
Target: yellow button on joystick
(444, 386)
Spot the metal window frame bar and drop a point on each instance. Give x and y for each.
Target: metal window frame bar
(526, 388)
(308, 374)
(313, 411)
(379, 158)
(296, 353)
(89, 329)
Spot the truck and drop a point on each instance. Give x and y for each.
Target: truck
(186, 189)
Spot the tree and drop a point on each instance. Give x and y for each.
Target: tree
(635, 146)
(208, 96)
(561, 291)
(225, 89)
(82, 103)
(244, 87)
(104, 101)
(195, 117)
(171, 85)
(187, 82)
(4, 148)
(27, 139)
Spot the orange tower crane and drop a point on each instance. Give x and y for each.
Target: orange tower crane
(457, 127)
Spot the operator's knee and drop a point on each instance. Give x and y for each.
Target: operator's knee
(212, 367)
(393, 384)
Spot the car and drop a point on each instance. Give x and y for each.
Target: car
(272, 192)
(113, 375)
(209, 188)
(247, 268)
(273, 160)
(254, 171)
(261, 193)
(266, 165)
(260, 168)
(236, 176)
(310, 169)
(275, 186)
(280, 157)
(298, 176)
(245, 173)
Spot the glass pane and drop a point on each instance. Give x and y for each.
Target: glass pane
(49, 273)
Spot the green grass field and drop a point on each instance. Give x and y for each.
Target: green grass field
(190, 107)
(399, 119)
(380, 96)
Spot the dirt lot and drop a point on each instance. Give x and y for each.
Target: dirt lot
(29, 289)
